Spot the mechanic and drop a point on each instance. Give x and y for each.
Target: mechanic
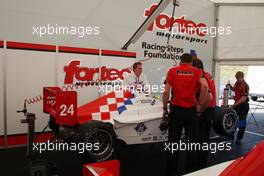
(137, 80)
(185, 81)
(241, 105)
(207, 115)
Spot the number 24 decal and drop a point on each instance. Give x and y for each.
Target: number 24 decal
(66, 110)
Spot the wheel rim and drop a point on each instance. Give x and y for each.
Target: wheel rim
(230, 121)
(103, 138)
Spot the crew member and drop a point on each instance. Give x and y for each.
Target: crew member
(137, 80)
(207, 114)
(241, 105)
(185, 81)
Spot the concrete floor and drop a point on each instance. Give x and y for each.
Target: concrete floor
(140, 160)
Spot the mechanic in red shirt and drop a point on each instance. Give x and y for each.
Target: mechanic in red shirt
(241, 105)
(185, 82)
(207, 115)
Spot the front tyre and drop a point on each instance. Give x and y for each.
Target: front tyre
(101, 136)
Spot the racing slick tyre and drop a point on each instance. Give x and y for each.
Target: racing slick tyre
(254, 98)
(102, 138)
(225, 121)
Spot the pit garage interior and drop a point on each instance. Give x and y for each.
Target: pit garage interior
(120, 33)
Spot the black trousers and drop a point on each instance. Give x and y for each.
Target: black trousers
(204, 128)
(182, 118)
(242, 112)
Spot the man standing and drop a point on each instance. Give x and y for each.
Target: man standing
(185, 82)
(207, 114)
(241, 104)
(137, 80)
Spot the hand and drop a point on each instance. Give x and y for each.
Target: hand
(228, 86)
(199, 110)
(199, 114)
(165, 114)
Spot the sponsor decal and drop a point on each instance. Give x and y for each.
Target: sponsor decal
(164, 127)
(154, 50)
(51, 100)
(163, 22)
(146, 139)
(153, 102)
(140, 128)
(146, 101)
(75, 71)
(186, 73)
(169, 27)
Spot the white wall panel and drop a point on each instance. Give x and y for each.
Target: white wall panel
(27, 73)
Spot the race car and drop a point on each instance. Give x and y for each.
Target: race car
(131, 117)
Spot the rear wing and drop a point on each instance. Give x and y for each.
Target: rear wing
(62, 105)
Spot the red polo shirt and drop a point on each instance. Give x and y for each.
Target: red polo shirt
(241, 89)
(185, 82)
(211, 86)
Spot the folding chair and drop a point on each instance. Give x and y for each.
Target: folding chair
(252, 113)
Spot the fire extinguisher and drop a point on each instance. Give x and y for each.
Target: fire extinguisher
(226, 94)
(225, 97)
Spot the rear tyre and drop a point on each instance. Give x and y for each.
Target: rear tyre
(225, 122)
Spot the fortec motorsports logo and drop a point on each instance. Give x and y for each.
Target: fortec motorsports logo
(172, 27)
(164, 22)
(84, 74)
(175, 28)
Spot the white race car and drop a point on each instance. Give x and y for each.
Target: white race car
(134, 118)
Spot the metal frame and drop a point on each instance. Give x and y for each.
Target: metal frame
(241, 63)
(239, 60)
(143, 27)
(215, 40)
(56, 64)
(241, 4)
(215, 66)
(5, 93)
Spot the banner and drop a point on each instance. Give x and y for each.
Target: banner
(160, 49)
